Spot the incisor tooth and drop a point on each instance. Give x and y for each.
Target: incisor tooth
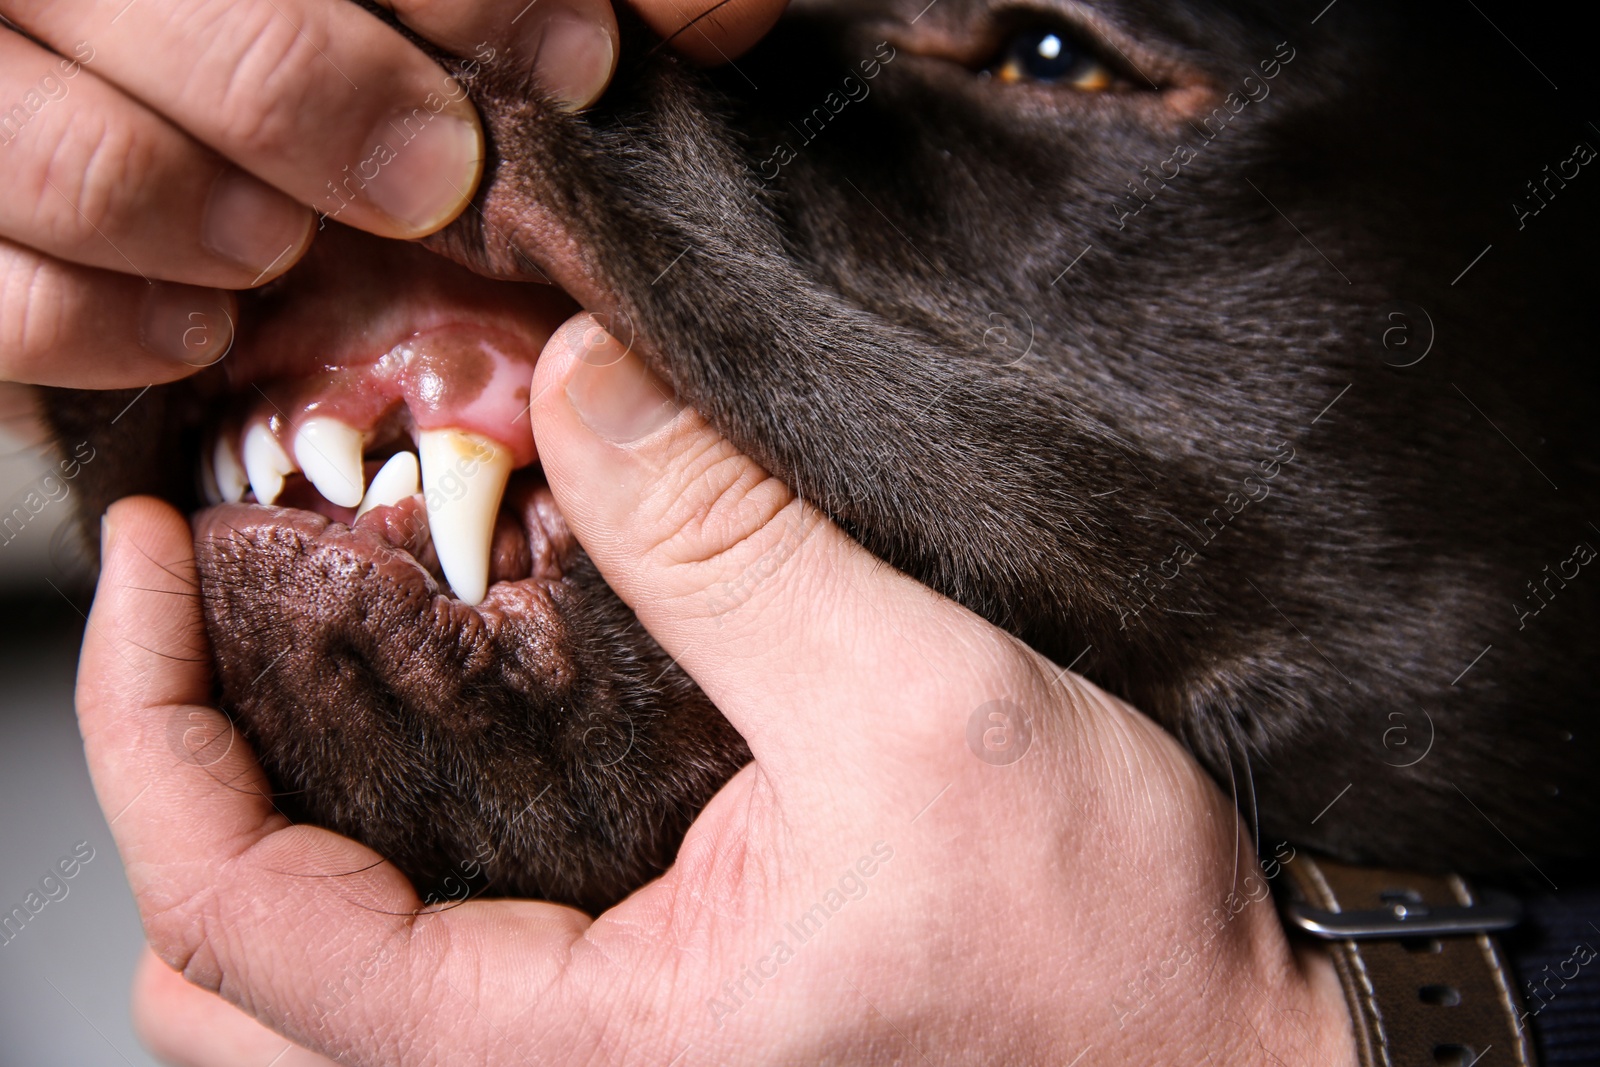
(329, 453)
(265, 462)
(463, 476)
(396, 480)
(232, 481)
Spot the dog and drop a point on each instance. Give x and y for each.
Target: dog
(1152, 332)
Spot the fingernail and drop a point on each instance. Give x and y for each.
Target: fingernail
(105, 535)
(615, 394)
(420, 169)
(574, 58)
(185, 324)
(251, 224)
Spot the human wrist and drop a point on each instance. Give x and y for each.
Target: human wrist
(1288, 1008)
(1328, 1017)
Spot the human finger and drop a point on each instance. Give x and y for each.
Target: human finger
(711, 31)
(569, 45)
(183, 1025)
(66, 325)
(321, 100)
(809, 645)
(95, 178)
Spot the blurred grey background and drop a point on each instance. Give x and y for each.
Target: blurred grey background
(64, 973)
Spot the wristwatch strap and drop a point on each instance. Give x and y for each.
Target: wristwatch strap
(1425, 981)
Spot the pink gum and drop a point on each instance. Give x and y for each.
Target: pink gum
(466, 377)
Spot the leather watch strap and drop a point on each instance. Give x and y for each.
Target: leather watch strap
(1425, 980)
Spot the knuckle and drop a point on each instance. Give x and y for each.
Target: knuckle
(33, 313)
(726, 518)
(731, 507)
(198, 925)
(86, 183)
(413, 1038)
(109, 171)
(270, 76)
(178, 933)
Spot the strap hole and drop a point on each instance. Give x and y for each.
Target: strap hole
(1453, 1055)
(1429, 945)
(1445, 996)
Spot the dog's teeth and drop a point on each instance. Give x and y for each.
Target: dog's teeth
(329, 453)
(232, 481)
(265, 462)
(395, 481)
(464, 476)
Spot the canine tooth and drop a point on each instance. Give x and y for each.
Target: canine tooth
(265, 462)
(232, 481)
(329, 453)
(395, 481)
(464, 476)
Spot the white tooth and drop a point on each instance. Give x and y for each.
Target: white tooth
(229, 472)
(395, 481)
(329, 453)
(265, 462)
(464, 476)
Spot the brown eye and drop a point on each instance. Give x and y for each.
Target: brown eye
(1050, 57)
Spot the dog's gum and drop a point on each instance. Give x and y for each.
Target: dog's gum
(465, 377)
(476, 380)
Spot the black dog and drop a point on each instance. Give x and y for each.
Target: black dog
(1163, 335)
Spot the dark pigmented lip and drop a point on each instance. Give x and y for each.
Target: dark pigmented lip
(391, 545)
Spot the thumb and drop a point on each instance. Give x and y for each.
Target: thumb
(812, 648)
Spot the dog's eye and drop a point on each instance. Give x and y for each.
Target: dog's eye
(1050, 57)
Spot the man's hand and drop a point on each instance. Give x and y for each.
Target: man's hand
(946, 850)
(157, 154)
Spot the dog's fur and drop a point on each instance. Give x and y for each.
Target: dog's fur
(1188, 464)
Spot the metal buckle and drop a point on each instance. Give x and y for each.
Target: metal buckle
(1407, 916)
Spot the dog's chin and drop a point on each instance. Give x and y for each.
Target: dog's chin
(319, 626)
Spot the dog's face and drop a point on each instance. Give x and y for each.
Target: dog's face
(1088, 315)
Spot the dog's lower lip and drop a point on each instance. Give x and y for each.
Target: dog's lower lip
(393, 543)
(458, 394)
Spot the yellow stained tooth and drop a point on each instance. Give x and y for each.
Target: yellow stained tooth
(464, 476)
(395, 481)
(266, 463)
(330, 456)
